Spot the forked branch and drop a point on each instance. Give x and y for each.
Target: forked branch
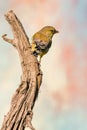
(21, 110)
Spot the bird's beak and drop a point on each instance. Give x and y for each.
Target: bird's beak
(56, 31)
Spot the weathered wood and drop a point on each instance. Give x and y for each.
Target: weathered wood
(20, 113)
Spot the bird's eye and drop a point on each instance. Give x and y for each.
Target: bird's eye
(52, 31)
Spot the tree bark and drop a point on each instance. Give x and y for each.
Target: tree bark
(21, 110)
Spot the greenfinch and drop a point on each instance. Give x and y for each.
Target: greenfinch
(42, 40)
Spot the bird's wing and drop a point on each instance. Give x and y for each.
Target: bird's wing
(42, 42)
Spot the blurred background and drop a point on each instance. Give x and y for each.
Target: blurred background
(62, 101)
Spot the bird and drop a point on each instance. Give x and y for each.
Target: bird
(42, 40)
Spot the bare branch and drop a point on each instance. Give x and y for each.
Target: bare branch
(11, 41)
(21, 111)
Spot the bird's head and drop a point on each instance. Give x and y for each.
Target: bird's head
(49, 31)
